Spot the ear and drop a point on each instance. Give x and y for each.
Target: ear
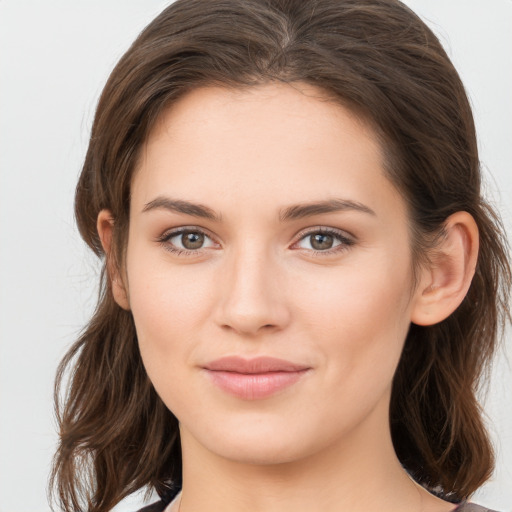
(105, 227)
(446, 280)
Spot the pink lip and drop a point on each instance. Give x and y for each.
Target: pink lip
(254, 379)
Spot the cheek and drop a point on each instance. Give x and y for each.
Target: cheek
(362, 294)
(358, 319)
(166, 302)
(169, 305)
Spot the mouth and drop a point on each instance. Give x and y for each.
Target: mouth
(254, 379)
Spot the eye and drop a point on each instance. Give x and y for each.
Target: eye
(186, 240)
(324, 240)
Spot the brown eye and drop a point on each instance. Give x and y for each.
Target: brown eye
(321, 241)
(192, 240)
(325, 240)
(182, 240)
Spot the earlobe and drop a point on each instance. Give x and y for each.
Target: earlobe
(446, 281)
(105, 227)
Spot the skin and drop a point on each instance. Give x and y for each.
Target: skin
(259, 286)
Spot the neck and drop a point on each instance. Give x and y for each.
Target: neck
(358, 473)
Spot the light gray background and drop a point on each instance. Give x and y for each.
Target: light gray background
(54, 59)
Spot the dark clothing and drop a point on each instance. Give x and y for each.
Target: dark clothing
(470, 507)
(159, 506)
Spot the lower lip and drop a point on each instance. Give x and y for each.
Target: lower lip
(254, 386)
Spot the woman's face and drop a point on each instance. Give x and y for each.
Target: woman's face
(262, 224)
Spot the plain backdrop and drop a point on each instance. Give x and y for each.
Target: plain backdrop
(54, 59)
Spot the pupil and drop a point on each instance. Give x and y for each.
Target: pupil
(192, 240)
(321, 241)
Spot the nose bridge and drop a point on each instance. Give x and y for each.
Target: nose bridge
(252, 298)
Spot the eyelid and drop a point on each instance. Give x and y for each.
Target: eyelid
(164, 238)
(324, 229)
(346, 239)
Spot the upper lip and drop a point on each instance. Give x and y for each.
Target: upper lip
(257, 365)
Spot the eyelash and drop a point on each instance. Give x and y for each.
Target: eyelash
(164, 239)
(346, 242)
(340, 236)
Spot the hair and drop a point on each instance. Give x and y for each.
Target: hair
(375, 57)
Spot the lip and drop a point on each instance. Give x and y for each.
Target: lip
(254, 379)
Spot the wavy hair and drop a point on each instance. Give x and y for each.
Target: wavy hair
(375, 57)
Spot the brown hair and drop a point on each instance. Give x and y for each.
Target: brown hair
(379, 59)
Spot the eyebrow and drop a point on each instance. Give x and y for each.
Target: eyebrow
(297, 211)
(182, 206)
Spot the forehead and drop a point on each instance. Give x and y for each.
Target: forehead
(265, 113)
(272, 143)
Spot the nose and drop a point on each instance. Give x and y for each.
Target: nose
(253, 298)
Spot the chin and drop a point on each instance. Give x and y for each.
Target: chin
(260, 452)
(258, 442)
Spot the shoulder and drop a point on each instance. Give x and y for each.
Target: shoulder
(159, 506)
(471, 507)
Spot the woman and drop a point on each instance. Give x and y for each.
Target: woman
(302, 281)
